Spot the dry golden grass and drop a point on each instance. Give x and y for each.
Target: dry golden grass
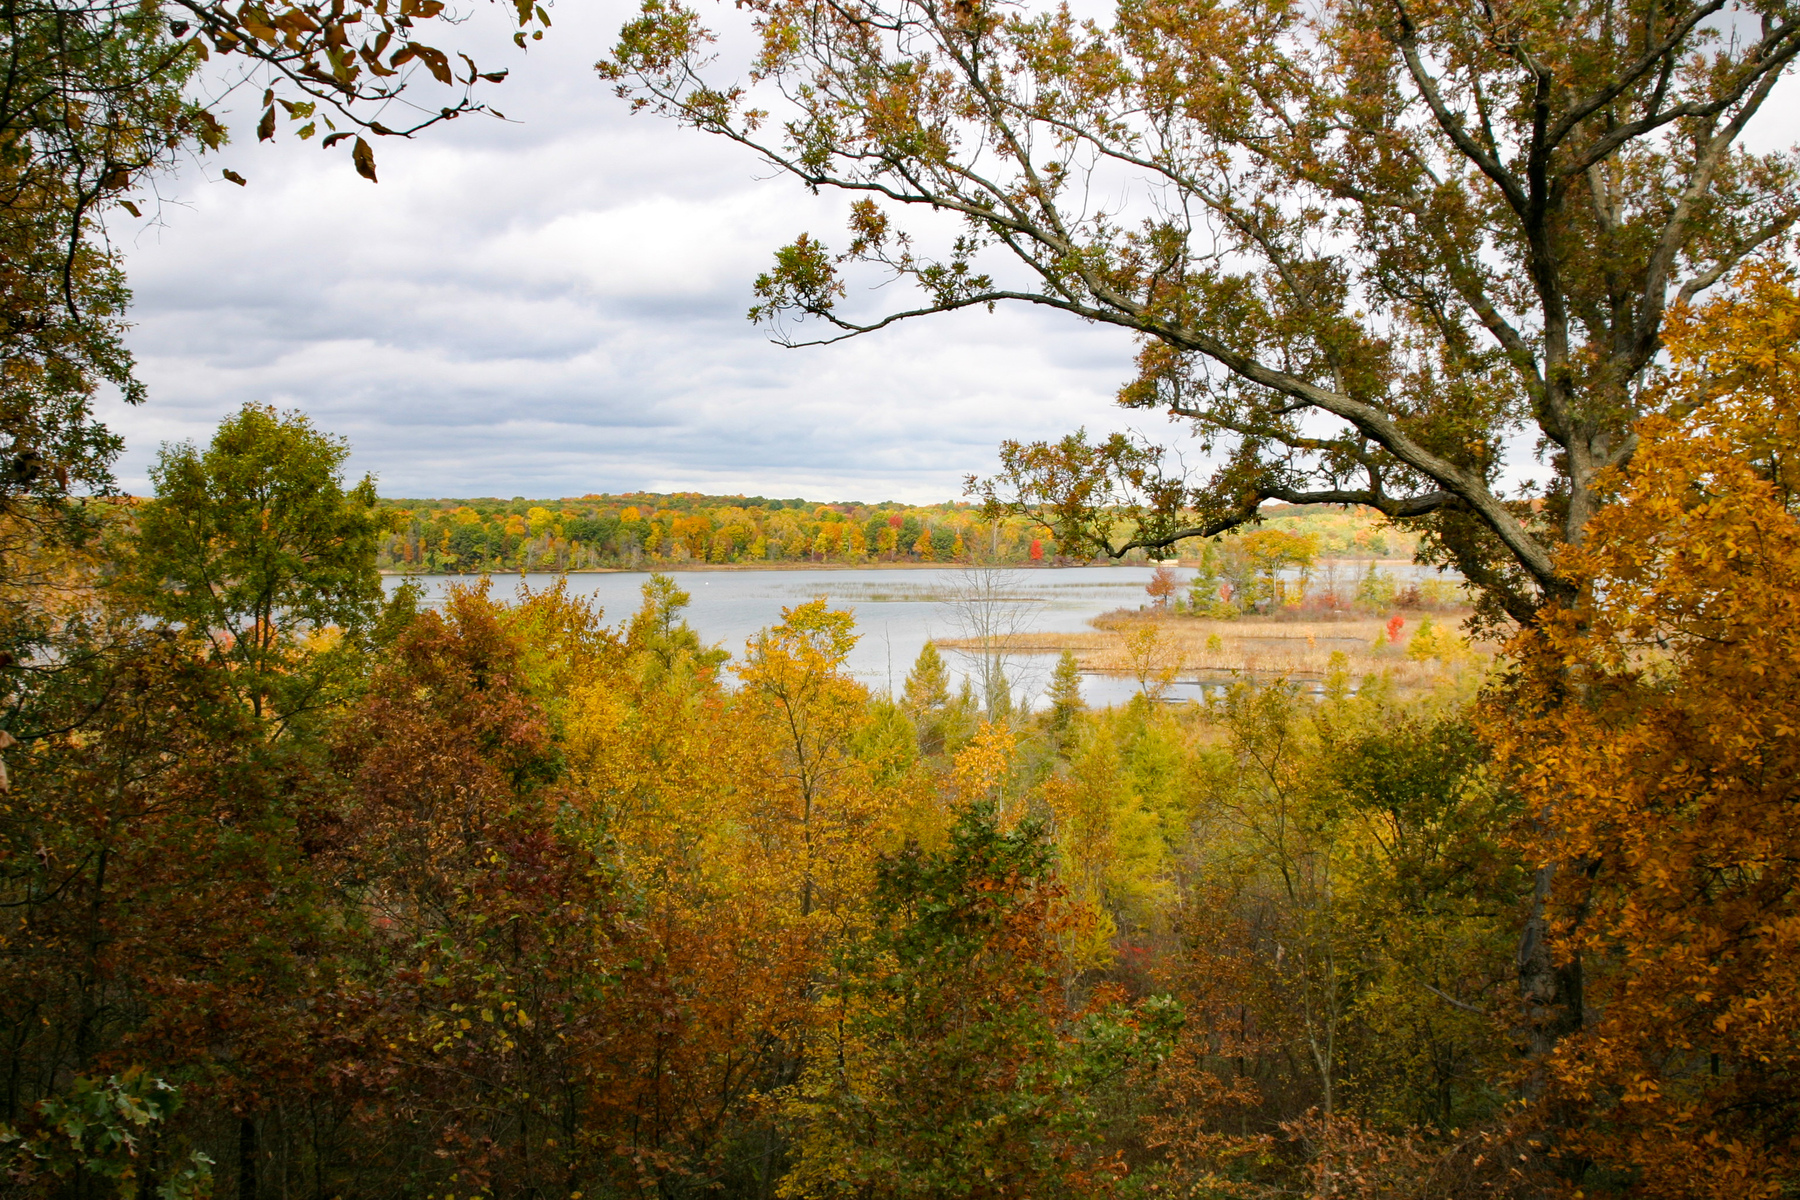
(1250, 647)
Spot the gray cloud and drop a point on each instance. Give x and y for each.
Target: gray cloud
(554, 305)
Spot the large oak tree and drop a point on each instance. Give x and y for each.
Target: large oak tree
(1366, 244)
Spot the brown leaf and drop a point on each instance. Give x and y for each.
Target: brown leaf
(373, 59)
(234, 177)
(364, 158)
(438, 63)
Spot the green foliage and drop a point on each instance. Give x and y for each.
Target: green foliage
(1376, 590)
(1065, 698)
(663, 643)
(95, 96)
(942, 723)
(105, 1131)
(889, 743)
(1429, 881)
(961, 1072)
(255, 546)
(1116, 848)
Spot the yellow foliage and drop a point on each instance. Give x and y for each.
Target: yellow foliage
(1432, 641)
(980, 770)
(1154, 659)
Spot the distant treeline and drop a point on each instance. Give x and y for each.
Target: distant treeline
(649, 529)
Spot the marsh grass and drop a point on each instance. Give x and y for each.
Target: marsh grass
(1254, 647)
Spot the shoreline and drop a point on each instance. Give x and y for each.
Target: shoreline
(669, 568)
(677, 568)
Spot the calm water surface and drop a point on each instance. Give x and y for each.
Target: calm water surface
(897, 611)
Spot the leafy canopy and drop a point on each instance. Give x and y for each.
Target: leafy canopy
(255, 544)
(1652, 727)
(1365, 244)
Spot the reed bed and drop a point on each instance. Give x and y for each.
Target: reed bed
(1247, 648)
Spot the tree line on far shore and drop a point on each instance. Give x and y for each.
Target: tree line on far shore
(648, 530)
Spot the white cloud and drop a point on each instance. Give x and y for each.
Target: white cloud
(555, 305)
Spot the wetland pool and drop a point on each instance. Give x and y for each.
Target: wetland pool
(897, 611)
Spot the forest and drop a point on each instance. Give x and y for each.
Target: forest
(312, 892)
(314, 886)
(646, 530)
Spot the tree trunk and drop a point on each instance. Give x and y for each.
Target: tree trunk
(1551, 991)
(246, 1158)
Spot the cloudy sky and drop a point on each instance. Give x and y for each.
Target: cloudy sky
(554, 305)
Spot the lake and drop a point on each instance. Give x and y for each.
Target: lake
(897, 611)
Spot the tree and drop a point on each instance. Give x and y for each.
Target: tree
(1431, 889)
(1153, 658)
(1651, 733)
(1112, 858)
(963, 1072)
(668, 765)
(928, 684)
(89, 96)
(1065, 698)
(489, 1008)
(1163, 584)
(151, 849)
(1362, 243)
(942, 723)
(990, 616)
(1269, 552)
(94, 95)
(255, 545)
(815, 794)
(664, 644)
(97, 107)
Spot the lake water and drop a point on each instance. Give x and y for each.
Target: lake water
(897, 611)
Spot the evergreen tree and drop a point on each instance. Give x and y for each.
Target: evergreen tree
(1065, 699)
(927, 697)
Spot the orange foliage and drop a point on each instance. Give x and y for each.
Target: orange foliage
(1654, 729)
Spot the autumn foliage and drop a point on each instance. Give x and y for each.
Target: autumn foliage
(1658, 745)
(527, 899)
